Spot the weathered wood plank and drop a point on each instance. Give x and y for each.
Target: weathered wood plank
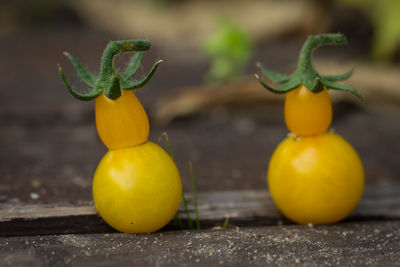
(217, 205)
(27, 212)
(373, 243)
(247, 207)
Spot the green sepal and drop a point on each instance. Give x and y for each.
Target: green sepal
(273, 76)
(342, 87)
(113, 49)
(84, 97)
(319, 86)
(109, 81)
(313, 84)
(289, 85)
(309, 79)
(112, 89)
(87, 77)
(341, 77)
(266, 86)
(128, 85)
(306, 74)
(284, 88)
(133, 66)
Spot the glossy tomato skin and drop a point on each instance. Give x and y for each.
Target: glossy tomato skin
(137, 189)
(121, 122)
(307, 113)
(317, 180)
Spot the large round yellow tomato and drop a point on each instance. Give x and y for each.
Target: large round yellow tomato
(317, 180)
(307, 113)
(137, 189)
(121, 122)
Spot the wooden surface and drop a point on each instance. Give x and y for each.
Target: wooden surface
(372, 243)
(257, 234)
(217, 205)
(243, 208)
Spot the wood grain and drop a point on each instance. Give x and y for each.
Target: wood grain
(247, 207)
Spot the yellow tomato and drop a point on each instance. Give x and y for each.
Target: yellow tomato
(137, 189)
(317, 180)
(307, 113)
(121, 122)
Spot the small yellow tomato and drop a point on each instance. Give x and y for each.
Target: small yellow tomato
(317, 180)
(137, 189)
(121, 122)
(307, 113)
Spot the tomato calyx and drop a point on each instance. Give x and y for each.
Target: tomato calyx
(110, 82)
(305, 73)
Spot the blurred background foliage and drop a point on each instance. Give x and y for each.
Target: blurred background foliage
(385, 17)
(229, 49)
(374, 24)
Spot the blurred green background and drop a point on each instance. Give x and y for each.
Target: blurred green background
(375, 24)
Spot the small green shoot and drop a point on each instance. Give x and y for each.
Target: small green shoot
(196, 210)
(194, 190)
(189, 220)
(170, 152)
(226, 222)
(177, 218)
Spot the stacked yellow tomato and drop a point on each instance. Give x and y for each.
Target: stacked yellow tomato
(314, 176)
(136, 187)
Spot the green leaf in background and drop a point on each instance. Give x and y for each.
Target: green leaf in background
(385, 15)
(387, 35)
(230, 49)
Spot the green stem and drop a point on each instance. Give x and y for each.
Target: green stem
(306, 74)
(196, 209)
(185, 205)
(226, 222)
(312, 43)
(171, 153)
(111, 51)
(109, 81)
(169, 147)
